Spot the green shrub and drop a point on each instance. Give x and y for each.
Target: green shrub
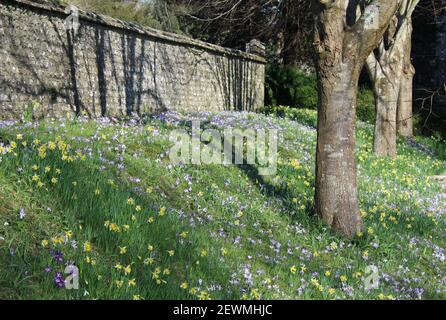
(365, 110)
(287, 86)
(291, 87)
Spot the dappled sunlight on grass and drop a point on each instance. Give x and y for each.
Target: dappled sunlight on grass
(104, 196)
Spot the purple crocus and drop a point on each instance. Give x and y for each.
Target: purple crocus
(22, 214)
(59, 280)
(57, 255)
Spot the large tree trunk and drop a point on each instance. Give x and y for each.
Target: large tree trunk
(341, 50)
(336, 192)
(405, 102)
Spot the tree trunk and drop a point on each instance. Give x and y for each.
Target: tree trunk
(391, 72)
(384, 72)
(405, 106)
(405, 102)
(385, 126)
(336, 192)
(342, 47)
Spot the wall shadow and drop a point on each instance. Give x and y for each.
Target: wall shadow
(105, 70)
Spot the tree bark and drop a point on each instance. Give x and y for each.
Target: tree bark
(405, 102)
(385, 126)
(385, 72)
(341, 50)
(391, 72)
(405, 107)
(336, 193)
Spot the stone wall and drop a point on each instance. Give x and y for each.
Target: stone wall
(112, 68)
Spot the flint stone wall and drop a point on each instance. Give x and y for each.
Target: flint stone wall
(113, 68)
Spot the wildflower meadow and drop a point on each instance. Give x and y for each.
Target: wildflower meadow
(95, 210)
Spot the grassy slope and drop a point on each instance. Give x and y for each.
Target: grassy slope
(226, 233)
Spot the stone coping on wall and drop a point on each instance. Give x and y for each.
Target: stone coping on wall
(135, 28)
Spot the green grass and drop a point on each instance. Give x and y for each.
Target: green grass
(227, 232)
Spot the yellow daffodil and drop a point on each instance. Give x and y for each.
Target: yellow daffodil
(128, 270)
(184, 286)
(87, 246)
(255, 294)
(204, 295)
(183, 234)
(132, 282)
(293, 269)
(118, 266)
